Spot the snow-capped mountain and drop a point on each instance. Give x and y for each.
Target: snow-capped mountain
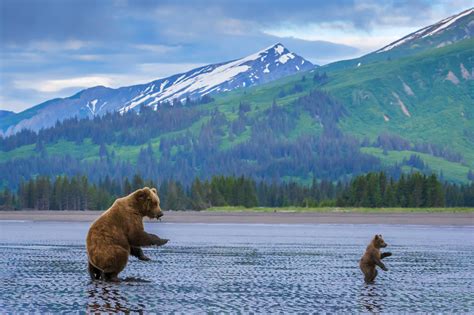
(264, 66)
(443, 33)
(434, 33)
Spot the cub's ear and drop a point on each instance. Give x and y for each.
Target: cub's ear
(154, 190)
(376, 237)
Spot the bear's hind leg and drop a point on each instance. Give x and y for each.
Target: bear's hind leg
(112, 262)
(94, 272)
(110, 277)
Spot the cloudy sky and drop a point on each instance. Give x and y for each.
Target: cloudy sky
(54, 48)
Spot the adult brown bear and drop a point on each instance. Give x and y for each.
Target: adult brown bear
(372, 258)
(119, 232)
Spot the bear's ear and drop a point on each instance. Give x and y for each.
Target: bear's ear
(142, 194)
(154, 190)
(376, 237)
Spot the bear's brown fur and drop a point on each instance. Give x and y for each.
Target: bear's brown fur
(119, 232)
(372, 258)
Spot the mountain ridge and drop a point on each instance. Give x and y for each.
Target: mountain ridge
(264, 66)
(447, 31)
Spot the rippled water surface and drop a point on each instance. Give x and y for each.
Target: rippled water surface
(241, 268)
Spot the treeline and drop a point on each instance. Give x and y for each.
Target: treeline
(370, 190)
(375, 190)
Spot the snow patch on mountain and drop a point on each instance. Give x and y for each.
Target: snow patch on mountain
(428, 31)
(465, 73)
(407, 88)
(272, 63)
(242, 72)
(401, 104)
(448, 22)
(452, 77)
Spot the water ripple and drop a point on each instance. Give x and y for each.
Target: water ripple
(240, 276)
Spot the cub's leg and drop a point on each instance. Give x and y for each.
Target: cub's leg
(138, 252)
(386, 254)
(369, 274)
(94, 272)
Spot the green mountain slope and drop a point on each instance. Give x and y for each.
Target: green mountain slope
(428, 97)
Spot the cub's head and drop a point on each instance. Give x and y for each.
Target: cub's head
(148, 202)
(378, 241)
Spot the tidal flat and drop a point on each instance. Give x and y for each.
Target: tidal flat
(262, 268)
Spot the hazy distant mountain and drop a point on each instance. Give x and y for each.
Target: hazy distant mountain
(5, 113)
(267, 65)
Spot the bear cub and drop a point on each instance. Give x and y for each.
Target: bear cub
(372, 258)
(119, 232)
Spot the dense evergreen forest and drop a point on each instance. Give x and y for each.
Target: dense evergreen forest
(189, 140)
(370, 190)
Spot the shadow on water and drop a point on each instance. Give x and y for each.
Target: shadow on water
(371, 298)
(110, 297)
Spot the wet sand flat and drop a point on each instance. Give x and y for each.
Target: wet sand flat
(461, 219)
(241, 268)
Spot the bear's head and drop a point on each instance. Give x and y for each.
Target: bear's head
(148, 202)
(378, 241)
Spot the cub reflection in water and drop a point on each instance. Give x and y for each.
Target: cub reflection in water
(371, 299)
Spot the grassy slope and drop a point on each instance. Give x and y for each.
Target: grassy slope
(441, 112)
(452, 171)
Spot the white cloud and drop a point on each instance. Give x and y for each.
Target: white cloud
(52, 46)
(48, 86)
(160, 70)
(89, 57)
(144, 73)
(343, 33)
(158, 49)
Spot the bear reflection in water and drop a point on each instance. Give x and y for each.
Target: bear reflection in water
(107, 297)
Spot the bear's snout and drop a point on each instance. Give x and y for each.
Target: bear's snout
(159, 215)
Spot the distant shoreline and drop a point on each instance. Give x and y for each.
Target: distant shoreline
(255, 217)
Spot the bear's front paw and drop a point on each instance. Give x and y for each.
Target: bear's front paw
(144, 258)
(162, 241)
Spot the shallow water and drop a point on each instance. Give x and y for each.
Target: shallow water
(241, 268)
